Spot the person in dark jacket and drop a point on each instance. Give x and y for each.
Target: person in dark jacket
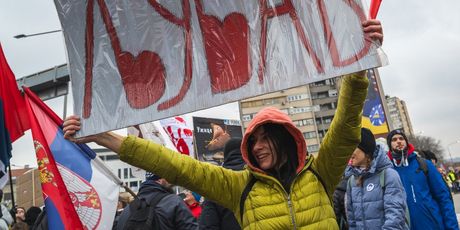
(171, 210)
(339, 200)
(32, 215)
(214, 216)
(375, 194)
(41, 223)
(428, 199)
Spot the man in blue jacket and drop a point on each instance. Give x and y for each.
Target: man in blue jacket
(428, 199)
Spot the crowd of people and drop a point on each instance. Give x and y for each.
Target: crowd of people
(269, 181)
(283, 187)
(18, 218)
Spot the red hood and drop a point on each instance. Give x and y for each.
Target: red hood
(274, 115)
(410, 150)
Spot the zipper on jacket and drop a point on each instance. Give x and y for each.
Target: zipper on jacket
(291, 211)
(362, 206)
(413, 193)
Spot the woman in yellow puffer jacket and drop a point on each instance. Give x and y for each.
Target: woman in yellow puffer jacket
(292, 190)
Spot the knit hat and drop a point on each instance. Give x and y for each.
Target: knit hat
(151, 176)
(196, 196)
(367, 144)
(394, 132)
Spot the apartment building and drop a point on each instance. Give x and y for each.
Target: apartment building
(311, 107)
(399, 115)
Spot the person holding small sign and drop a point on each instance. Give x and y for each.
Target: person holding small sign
(283, 186)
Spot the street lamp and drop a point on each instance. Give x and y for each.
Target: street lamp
(43, 33)
(448, 150)
(31, 35)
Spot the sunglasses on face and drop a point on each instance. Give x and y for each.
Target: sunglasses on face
(397, 138)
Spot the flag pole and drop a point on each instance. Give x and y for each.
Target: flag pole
(12, 191)
(129, 190)
(115, 179)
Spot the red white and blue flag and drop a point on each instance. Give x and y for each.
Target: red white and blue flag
(13, 116)
(79, 191)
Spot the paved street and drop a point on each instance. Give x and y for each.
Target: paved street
(457, 205)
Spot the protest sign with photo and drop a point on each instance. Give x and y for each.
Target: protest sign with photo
(211, 135)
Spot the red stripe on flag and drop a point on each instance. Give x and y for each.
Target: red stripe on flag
(16, 120)
(51, 180)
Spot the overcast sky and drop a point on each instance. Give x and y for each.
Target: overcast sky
(422, 41)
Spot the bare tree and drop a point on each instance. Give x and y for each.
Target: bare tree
(428, 143)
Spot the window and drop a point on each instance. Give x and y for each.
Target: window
(297, 97)
(133, 184)
(247, 117)
(125, 173)
(304, 122)
(297, 110)
(111, 157)
(271, 101)
(318, 121)
(332, 93)
(327, 120)
(312, 148)
(327, 106)
(131, 173)
(322, 95)
(309, 135)
(119, 173)
(250, 104)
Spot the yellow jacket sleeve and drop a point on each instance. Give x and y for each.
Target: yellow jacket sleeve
(344, 133)
(216, 183)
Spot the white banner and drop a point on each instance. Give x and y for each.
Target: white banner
(179, 134)
(133, 61)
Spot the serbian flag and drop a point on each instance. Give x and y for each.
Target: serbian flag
(79, 191)
(5, 148)
(16, 120)
(13, 116)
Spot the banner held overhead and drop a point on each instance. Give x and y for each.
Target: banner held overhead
(136, 61)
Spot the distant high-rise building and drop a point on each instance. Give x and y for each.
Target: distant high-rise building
(311, 107)
(399, 115)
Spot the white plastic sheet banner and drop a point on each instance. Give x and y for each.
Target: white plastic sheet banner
(133, 61)
(147, 131)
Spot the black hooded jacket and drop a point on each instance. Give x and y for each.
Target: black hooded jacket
(214, 216)
(171, 210)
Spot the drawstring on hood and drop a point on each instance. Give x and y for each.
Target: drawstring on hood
(400, 157)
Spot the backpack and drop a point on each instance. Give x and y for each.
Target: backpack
(142, 214)
(423, 167)
(382, 185)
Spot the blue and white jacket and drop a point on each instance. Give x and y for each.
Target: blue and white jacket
(428, 198)
(376, 206)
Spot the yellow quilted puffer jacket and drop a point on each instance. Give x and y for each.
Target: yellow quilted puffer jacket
(268, 205)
